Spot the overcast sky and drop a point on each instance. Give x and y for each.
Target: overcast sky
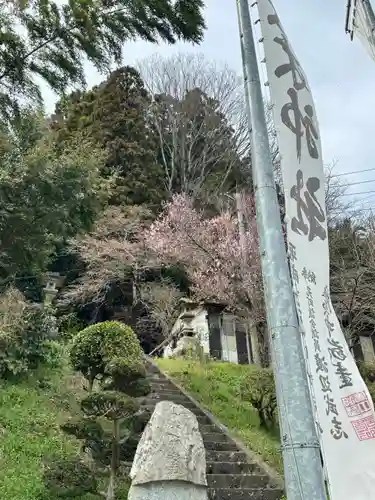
(340, 73)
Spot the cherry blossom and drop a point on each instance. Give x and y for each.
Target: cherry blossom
(210, 251)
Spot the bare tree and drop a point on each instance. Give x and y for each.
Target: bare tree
(113, 253)
(336, 189)
(352, 250)
(13, 306)
(116, 257)
(199, 115)
(161, 300)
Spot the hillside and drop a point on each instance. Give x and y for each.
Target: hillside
(216, 386)
(30, 415)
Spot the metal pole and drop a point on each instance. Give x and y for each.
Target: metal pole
(302, 465)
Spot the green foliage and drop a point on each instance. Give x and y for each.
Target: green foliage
(367, 371)
(371, 388)
(30, 413)
(45, 197)
(113, 116)
(30, 285)
(110, 350)
(258, 387)
(109, 404)
(51, 39)
(127, 377)
(84, 429)
(69, 478)
(95, 346)
(69, 325)
(217, 386)
(25, 333)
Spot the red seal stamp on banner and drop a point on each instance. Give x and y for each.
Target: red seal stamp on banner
(356, 404)
(365, 428)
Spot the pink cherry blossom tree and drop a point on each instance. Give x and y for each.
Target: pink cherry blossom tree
(210, 251)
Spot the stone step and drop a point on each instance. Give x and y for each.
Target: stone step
(216, 437)
(158, 379)
(219, 446)
(177, 398)
(225, 456)
(203, 420)
(237, 481)
(165, 389)
(249, 494)
(208, 428)
(150, 368)
(232, 468)
(230, 476)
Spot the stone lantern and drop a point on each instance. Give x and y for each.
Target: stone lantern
(53, 282)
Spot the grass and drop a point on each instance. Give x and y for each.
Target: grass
(30, 414)
(216, 386)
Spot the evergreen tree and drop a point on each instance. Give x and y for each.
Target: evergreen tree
(113, 116)
(45, 196)
(52, 39)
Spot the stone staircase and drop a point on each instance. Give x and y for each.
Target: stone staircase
(230, 474)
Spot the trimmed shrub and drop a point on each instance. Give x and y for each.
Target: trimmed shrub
(111, 352)
(95, 346)
(69, 479)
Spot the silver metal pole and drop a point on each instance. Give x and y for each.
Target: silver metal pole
(300, 447)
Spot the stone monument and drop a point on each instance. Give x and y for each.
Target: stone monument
(170, 461)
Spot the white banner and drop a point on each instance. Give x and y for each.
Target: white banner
(343, 407)
(364, 25)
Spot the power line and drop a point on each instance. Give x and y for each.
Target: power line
(356, 210)
(357, 183)
(354, 172)
(359, 193)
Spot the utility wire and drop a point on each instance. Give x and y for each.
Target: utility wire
(357, 183)
(352, 211)
(353, 172)
(358, 193)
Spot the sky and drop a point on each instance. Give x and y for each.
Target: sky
(341, 74)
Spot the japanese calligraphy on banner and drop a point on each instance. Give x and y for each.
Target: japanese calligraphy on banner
(343, 408)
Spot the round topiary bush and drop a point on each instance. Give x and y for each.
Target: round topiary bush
(97, 344)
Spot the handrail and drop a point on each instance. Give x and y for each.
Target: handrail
(165, 341)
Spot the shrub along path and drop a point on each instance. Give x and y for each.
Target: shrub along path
(231, 473)
(217, 386)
